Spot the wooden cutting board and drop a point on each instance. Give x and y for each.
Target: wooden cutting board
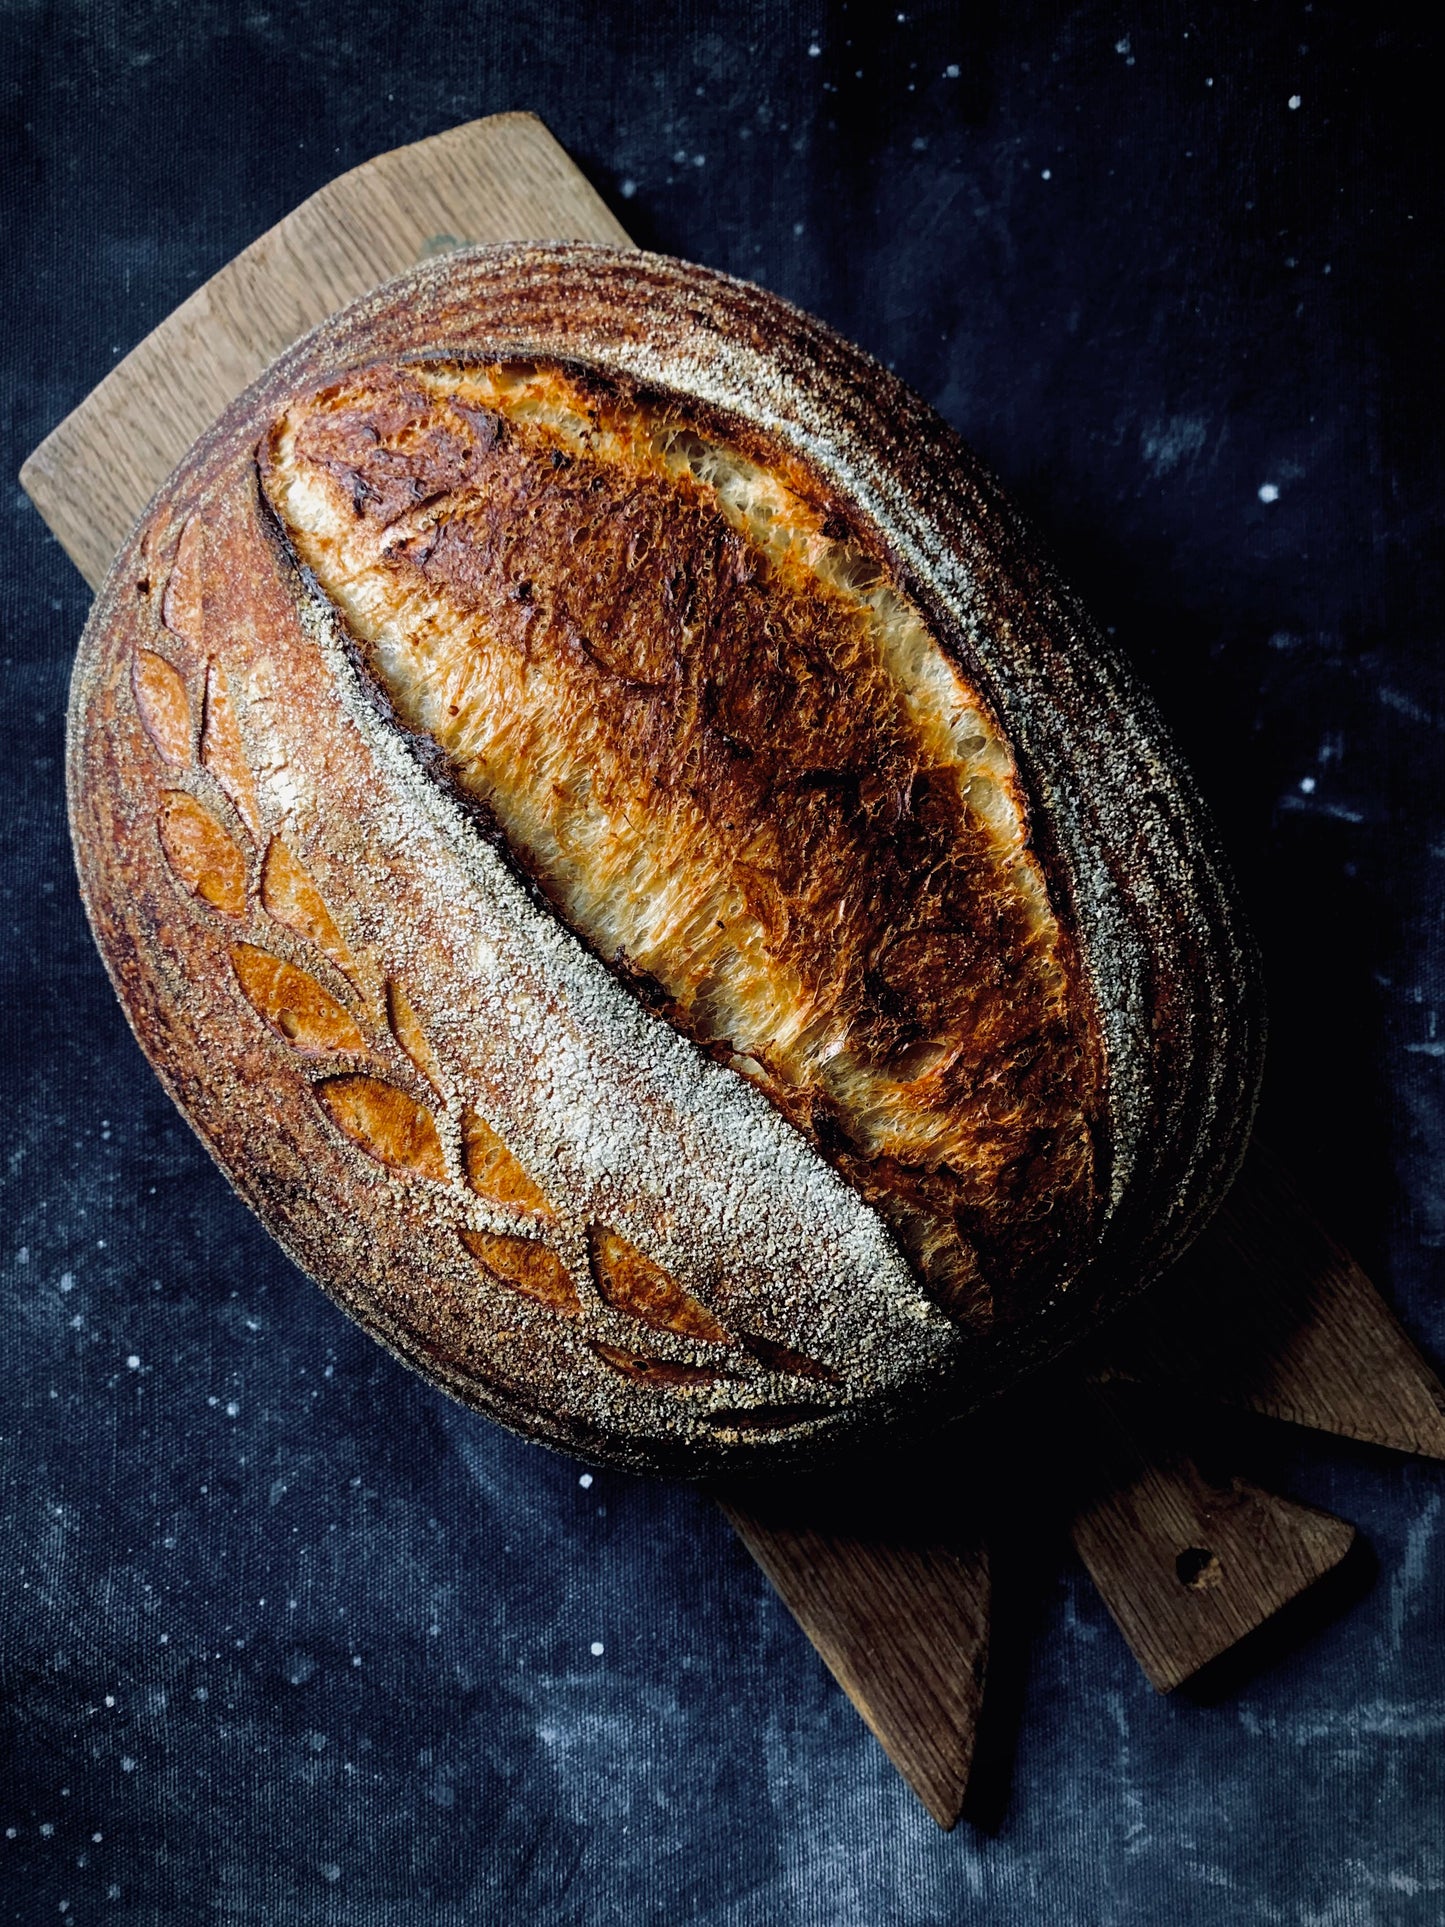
(896, 1599)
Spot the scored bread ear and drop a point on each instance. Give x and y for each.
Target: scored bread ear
(644, 1369)
(493, 1173)
(291, 1001)
(520, 1264)
(406, 1028)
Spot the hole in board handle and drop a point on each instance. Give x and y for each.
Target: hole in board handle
(1198, 1568)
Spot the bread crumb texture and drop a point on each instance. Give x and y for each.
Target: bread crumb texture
(727, 746)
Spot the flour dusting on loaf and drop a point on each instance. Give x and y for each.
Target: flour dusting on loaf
(729, 749)
(638, 873)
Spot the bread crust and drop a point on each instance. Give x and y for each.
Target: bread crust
(471, 1127)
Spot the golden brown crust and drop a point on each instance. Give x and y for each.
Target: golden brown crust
(725, 745)
(448, 1110)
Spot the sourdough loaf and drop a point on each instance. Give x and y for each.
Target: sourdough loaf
(640, 875)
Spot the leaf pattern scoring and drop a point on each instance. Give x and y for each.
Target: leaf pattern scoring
(222, 751)
(388, 1125)
(289, 895)
(201, 854)
(293, 1003)
(183, 604)
(525, 1266)
(655, 1371)
(631, 1282)
(406, 1029)
(493, 1172)
(781, 1358)
(164, 706)
(765, 1418)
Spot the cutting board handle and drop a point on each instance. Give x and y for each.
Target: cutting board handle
(500, 179)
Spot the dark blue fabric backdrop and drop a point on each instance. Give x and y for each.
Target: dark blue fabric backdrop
(289, 1639)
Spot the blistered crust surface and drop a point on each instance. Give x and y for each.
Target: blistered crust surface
(730, 750)
(523, 1181)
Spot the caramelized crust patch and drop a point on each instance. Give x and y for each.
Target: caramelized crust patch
(493, 1173)
(388, 1125)
(293, 1003)
(628, 1280)
(524, 1266)
(201, 854)
(732, 752)
(165, 708)
(290, 896)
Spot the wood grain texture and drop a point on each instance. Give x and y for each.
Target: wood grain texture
(499, 179)
(1186, 1565)
(898, 1609)
(1270, 1312)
